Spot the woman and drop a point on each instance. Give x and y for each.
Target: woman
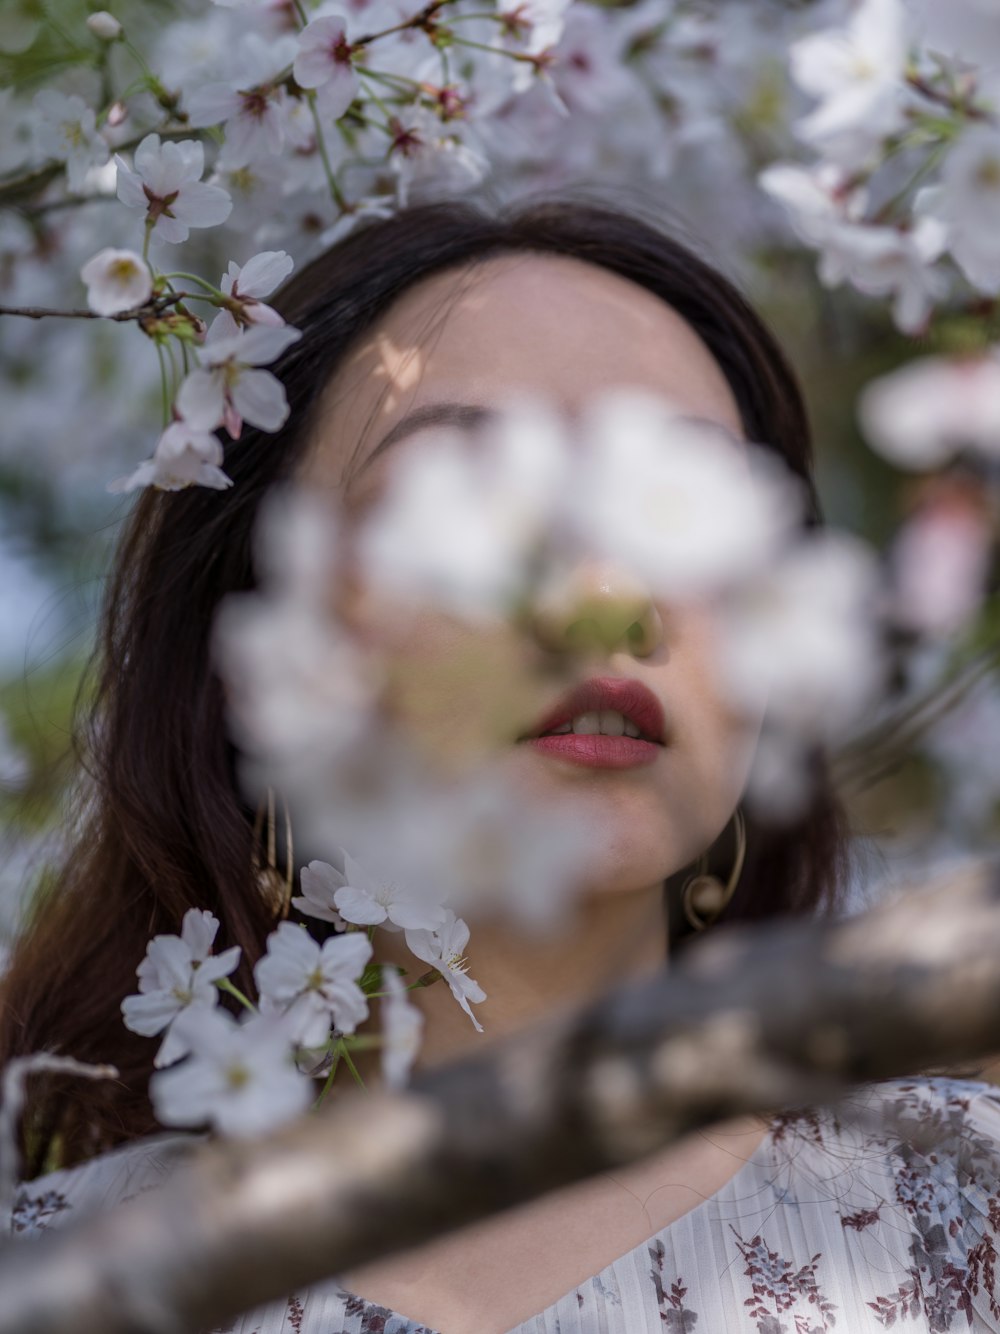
(808, 1222)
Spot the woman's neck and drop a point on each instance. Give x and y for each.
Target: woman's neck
(529, 978)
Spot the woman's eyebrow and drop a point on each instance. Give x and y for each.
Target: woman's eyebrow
(467, 415)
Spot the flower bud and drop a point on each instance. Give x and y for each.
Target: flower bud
(105, 26)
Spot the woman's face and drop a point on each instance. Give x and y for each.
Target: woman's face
(558, 328)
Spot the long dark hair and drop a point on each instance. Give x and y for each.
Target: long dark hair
(165, 827)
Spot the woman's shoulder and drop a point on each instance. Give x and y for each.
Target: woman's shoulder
(96, 1184)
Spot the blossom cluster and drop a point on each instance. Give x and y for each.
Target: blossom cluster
(905, 123)
(245, 1076)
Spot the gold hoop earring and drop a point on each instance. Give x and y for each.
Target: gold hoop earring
(704, 897)
(275, 887)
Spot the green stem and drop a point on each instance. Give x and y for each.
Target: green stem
(329, 1079)
(494, 50)
(335, 191)
(224, 984)
(352, 1067)
(164, 391)
(193, 278)
(301, 12)
(150, 224)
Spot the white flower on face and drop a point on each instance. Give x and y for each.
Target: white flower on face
(116, 280)
(324, 62)
(249, 104)
(177, 974)
(455, 528)
(183, 457)
(918, 416)
(239, 1078)
(228, 391)
(683, 504)
(66, 129)
(968, 201)
(320, 881)
(802, 637)
(444, 949)
(402, 1029)
(367, 899)
(299, 689)
(858, 73)
(887, 261)
(257, 278)
(314, 985)
(166, 184)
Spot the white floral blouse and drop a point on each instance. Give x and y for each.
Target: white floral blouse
(882, 1212)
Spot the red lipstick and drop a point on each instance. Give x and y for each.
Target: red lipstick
(632, 699)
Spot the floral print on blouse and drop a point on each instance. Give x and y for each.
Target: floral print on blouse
(881, 1212)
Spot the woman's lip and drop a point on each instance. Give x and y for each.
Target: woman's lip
(595, 751)
(614, 694)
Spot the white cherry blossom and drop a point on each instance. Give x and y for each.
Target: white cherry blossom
(314, 986)
(184, 456)
(239, 1077)
(857, 71)
(66, 129)
(920, 415)
(227, 390)
(117, 280)
(319, 882)
(178, 974)
(369, 899)
(444, 949)
(250, 103)
(257, 278)
(165, 183)
(402, 1027)
(324, 62)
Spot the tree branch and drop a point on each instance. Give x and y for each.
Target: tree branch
(751, 1019)
(43, 312)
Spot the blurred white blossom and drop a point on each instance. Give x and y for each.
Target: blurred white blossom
(918, 416)
(857, 72)
(239, 1077)
(250, 102)
(66, 129)
(402, 1029)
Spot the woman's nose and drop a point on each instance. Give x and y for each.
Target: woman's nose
(596, 605)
